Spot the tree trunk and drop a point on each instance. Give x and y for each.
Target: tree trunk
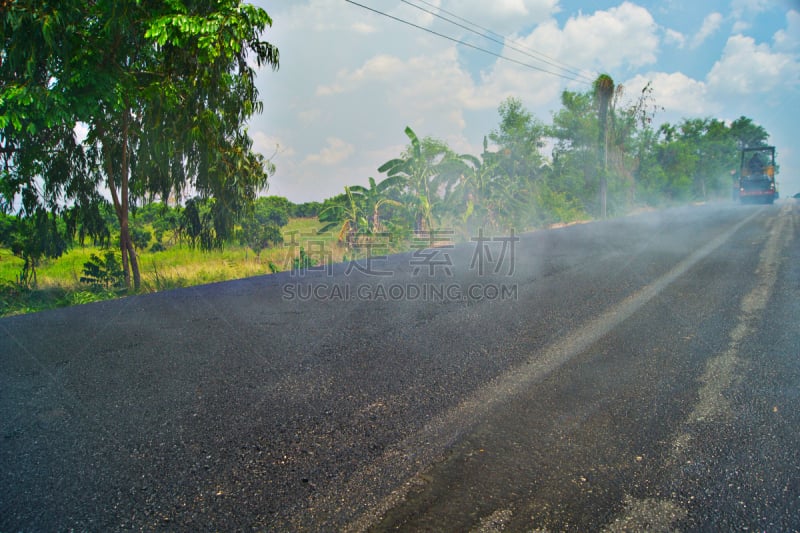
(419, 224)
(604, 176)
(122, 216)
(603, 195)
(604, 89)
(124, 237)
(128, 242)
(120, 201)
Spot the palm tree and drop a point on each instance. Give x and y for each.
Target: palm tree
(604, 90)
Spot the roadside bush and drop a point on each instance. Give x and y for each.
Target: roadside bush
(105, 273)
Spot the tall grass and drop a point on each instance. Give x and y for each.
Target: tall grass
(58, 280)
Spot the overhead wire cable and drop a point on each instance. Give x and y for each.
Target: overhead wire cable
(500, 39)
(487, 30)
(464, 43)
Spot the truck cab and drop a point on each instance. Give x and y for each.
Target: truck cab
(757, 175)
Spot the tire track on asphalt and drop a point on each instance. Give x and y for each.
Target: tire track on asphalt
(722, 371)
(362, 504)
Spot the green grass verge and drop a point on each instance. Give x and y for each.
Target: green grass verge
(59, 285)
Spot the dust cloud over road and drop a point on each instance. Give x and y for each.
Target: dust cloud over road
(632, 373)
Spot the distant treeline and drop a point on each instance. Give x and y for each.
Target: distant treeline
(600, 156)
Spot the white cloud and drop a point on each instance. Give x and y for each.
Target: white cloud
(743, 12)
(788, 40)
(749, 68)
(407, 88)
(603, 41)
(314, 15)
(623, 36)
(380, 68)
(309, 116)
(513, 8)
(505, 16)
(335, 152)
(743, 8)
(678, 94)
(506, 79)
(740, 26)
(360, 27)
(674, 37)
(710, 25)
(419, 15)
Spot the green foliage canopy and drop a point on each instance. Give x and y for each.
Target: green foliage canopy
(163, 89)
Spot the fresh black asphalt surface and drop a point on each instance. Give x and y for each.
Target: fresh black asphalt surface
(636, 374)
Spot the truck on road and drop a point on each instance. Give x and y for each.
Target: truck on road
(757, 175)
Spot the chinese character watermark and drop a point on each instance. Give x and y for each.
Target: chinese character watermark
(431, 250)
(482, 258)
(431, 257)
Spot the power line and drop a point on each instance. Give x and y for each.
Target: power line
(464, 43)
(487, 30)
(500, 39)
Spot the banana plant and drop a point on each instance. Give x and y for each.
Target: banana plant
(374, 197)
(470, 194)
(419, 169)
(349, 217)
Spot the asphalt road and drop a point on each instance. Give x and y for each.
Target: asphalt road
(635, 374)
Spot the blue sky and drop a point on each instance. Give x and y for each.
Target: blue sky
(351, 80)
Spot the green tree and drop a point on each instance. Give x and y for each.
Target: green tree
(163, 218)
(715, 155)
(691, 160)
(89, 219)
(262, 228)
(678, 158)
(164, 88)
(747, 133)
(585, 157)
(197, 223)
(34, 237)
(519, 138)
(631, 125)
(260, 237)
(517, 166)
(306, 209)
(272, 209)
(574, 159)
(649, 174)
(140, 237)
(6, 228)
